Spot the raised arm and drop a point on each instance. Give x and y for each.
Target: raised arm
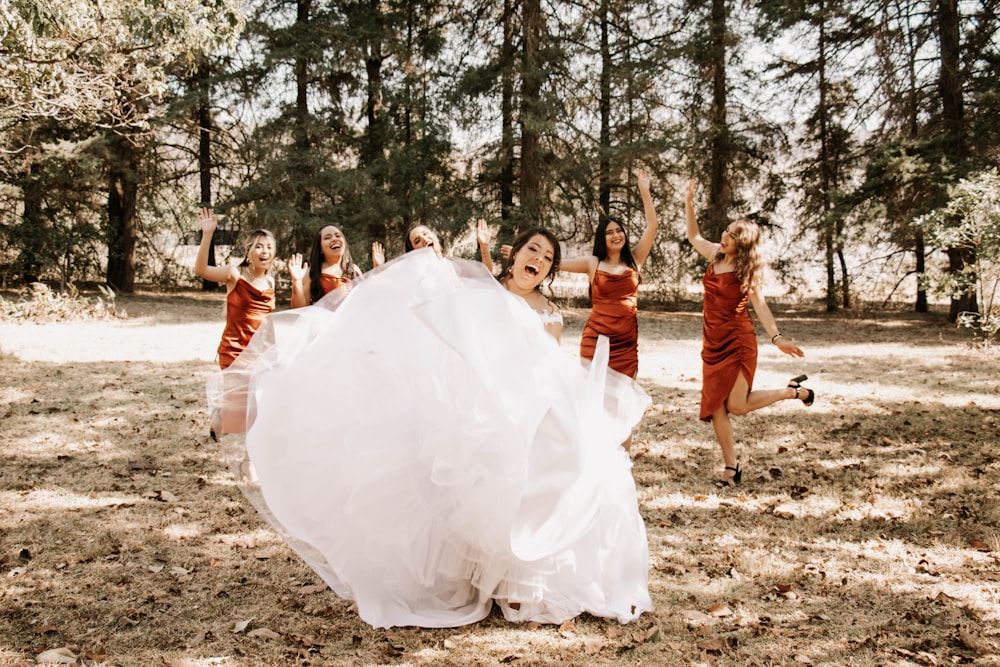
(483, 238)
(645, 244)
(299, 273)
(705, 248)
(378, 254)
(217, 274)
(587, 264)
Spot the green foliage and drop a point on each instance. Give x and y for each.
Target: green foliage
(971, 221)
(71, 58)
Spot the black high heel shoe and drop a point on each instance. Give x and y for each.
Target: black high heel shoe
(810, 394)
(731, 481)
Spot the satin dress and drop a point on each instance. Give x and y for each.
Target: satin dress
(430, 451)
(613, 314)
(328, 282)
(729, 342)
(246, 308)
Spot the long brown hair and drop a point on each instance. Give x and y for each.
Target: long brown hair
(748, 265)
(348, 269)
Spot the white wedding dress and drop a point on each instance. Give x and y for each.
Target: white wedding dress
(429, 450)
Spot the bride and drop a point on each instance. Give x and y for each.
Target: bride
(425, 446)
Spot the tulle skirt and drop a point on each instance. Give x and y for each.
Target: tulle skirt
(429, 450)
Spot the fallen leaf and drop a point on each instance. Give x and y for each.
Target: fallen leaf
(57, 656)
(971, 642)
(979, 546)
(309, 590)
(714, 644)
(701, 497)
(695, 617)
(784, 588)
(593, 645)
(568, 629)
(305, 640)
(264, 633)
(450, 645)
(242, 626)
(719, 610)
(168, 497)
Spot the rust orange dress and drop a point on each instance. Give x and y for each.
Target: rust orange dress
(328, 282)
(729, 342)
(615, 299)
(246, 308)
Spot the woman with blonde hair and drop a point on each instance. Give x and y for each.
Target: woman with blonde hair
(729, 344)
(249, 286)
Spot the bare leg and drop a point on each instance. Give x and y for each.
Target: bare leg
(741, 401)
(723, 427)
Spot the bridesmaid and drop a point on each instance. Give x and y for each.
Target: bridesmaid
(249, 299)
(249, 286)
(422, 236)
(330, 265)
(729, 345)
(613, 272)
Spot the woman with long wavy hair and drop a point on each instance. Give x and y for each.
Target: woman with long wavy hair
(613, 275)
(330, 266)
(729, 344)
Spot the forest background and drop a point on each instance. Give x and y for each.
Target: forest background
(863, 135)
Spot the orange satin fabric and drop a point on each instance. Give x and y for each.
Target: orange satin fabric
(729, 343)
(328, 282)
(613, 313)
(246, 308)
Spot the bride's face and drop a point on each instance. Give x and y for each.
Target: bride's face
(423, 237)
(533, 262)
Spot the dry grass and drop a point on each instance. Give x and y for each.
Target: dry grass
(866, 532)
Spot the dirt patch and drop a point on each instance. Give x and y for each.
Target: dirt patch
(866, 530)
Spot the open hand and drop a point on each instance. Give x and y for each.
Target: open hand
(296, 268)
(207, 220)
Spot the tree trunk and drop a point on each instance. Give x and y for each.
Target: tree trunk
(845, 280)
(373, 152)
(300, 133)
(32, 233)
(531, 113)
(953, 127)
(508, 226)
(204, 114)
(919, 253)
(123, 188)
(826, 175)
(720, 192)
(604, 150)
